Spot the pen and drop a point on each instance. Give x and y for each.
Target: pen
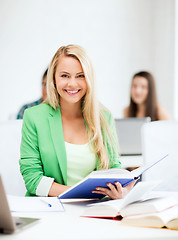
(61, 204)
(49, 205)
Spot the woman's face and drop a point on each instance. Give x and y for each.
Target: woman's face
(70, 80)
(139, 90)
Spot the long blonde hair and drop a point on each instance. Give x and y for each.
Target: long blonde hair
(93, 112)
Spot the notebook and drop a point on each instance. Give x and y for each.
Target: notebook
(8, 223)
(129, 135)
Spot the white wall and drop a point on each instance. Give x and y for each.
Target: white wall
(176, 63)
(163, 36)
(121, 37)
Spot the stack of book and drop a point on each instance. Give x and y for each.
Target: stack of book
(157, 212)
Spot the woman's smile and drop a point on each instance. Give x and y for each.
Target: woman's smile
(72, 92)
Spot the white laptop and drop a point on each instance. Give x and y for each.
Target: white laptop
(129, 135)
(8, 223)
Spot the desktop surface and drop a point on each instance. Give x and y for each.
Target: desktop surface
(69, 225)
(131, 161)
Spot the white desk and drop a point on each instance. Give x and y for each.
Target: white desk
(69, 225)
(131, 161)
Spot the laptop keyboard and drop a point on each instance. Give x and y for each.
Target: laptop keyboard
(21, 221)
(18, 221)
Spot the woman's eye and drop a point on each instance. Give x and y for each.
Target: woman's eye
(64, 76)
(144, 88)
(81, 76)
(134, 86)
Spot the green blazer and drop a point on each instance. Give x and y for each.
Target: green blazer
(42, 150)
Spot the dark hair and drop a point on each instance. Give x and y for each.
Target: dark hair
(151, 101)
(44, 75)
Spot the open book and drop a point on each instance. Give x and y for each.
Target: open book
(100, 178)
(113, 208)
(154, 205)
(167, 218)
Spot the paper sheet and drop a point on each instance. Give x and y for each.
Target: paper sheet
(35, 204)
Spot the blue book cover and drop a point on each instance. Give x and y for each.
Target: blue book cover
(100, 178)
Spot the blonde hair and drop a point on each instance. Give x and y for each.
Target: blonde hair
(93, 112)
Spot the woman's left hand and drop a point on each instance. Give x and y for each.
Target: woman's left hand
(115, 191)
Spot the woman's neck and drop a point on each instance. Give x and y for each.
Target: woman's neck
(71, 110)
(141, 110)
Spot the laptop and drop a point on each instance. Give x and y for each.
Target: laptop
(129, 135)
(8, 223)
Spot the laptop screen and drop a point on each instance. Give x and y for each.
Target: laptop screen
(129, 135)
(8, 224)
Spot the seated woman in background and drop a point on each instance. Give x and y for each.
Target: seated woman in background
(143, 100)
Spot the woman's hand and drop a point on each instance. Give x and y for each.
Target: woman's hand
(115, 191)
(56, 189)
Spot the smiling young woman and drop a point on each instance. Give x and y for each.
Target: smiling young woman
(71, 134)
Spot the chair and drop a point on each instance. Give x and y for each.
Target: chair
(158, 139)
(10, 137)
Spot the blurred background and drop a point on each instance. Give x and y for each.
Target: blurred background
(121, 37)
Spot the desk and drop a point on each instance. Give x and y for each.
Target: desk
(131, 161)
(69, 225)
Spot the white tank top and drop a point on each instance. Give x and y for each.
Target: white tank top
(80, 162)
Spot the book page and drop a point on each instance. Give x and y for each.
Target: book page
(173, 224)
(148, 206)
(135, 194)
(112, 172)
(153, 219)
